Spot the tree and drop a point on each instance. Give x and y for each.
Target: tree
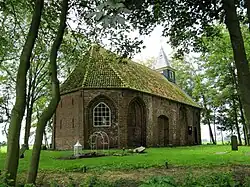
(220, 67)
(11, 163)
(49, 111)
(216, 71)
(240, 58)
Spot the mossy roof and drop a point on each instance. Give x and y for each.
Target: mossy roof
(103, 69)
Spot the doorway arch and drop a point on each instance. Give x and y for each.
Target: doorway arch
(163, 130)
(136, 123)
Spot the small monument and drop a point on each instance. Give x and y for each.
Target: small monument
(140, 149)
(234, 143)
(77, 149)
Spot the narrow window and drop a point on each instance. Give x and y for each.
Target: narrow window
(101, 115)
(61, 103)
(189, 130)
(72, 101)
(73, 123)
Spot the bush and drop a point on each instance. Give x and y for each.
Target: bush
(191, 181)
(215, 179)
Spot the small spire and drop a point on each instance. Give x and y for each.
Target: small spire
(162, 65)
(161, 61)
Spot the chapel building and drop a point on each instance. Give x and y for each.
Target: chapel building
(133, 104)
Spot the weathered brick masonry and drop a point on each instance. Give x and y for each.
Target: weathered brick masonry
(74, 119)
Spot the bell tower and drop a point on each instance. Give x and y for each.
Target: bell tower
(162, 65)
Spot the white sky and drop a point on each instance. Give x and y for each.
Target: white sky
(153, 43)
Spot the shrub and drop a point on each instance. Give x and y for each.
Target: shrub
(210, 180)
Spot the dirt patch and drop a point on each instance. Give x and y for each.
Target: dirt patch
(176, 172)
(139, 175)
(240, 173)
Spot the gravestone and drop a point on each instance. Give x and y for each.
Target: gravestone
(22, 150)
(234, 143)
(139, 149)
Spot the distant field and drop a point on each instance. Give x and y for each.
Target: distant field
(196, 156)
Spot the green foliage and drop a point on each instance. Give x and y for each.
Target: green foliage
(95, 182)
(205, 180)
(29, 185)
(5, 180)
(212, 81)
(160, 181)
(215, 179)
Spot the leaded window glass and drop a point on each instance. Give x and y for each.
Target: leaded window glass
(101, 115)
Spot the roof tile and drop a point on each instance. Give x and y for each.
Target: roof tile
(103, 69)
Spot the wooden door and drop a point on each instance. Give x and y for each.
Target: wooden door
(163, 131)
(136, 125)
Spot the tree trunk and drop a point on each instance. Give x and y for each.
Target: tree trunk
(243, 121)
(45, 138)
(28, 111)
(247, 5)
(28, 124)
(29, 106)
(245, 135)
(211, 132)
(207, 116)
(235, 83)
(236, 121)
(222, 139)
(17, 113)
(241, 62)
(214, 129)
(49, 111)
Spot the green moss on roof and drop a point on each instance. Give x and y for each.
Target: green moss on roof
(103, 69)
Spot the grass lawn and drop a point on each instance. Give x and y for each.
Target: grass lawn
(188, 166)
(196, 156)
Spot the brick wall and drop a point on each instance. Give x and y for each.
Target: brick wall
(77, 108)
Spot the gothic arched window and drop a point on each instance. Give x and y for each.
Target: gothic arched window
(101, 115)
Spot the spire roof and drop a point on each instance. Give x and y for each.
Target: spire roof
(161, 61)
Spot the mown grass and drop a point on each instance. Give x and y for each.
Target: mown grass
(196, 156)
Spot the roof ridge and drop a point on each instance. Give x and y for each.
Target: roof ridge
(87, 72)
(90, 55)
(118, 75)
